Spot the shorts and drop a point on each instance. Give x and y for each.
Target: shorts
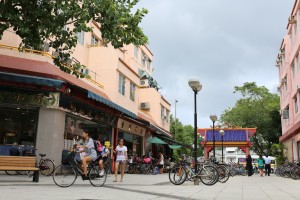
(160, 166)
(121, 161)
(103, 158)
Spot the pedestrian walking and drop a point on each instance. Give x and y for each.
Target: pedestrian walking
(121, 153)
(249, 165)
(261, 162)
(267, 165)
(160, 163)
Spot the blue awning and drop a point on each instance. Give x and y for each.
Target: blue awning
(100, 99)
(20, 78)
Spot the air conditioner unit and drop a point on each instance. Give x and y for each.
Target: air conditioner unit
(84, 71)
(283, 80)
(292, 19)
(145, 106)
(298, 87)
(278, 89)
(285, 114)
(145, 58)
(281, 52)
(144, 83)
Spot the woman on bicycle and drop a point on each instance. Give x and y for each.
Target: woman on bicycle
(90, 152)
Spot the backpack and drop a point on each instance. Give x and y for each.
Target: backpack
(98, 147)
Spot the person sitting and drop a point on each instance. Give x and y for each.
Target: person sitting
(103, 158)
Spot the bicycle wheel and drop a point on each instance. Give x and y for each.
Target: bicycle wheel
(64, 175)
(209, 175)
(47, 167)
(223, 173)
(12, 172)
(177, 175)
(107, 168)
(95, 178)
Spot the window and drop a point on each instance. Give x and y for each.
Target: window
(162, 110)
(143, 58)
(168, 114)
(122, 84)
(132, 91)
(80, 37)
(296, 104)
(148, 64)
(136, 51)
(94, 40)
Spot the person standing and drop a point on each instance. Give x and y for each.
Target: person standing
(249, 165)
(160, 163)
(267, 165)
(103, 158)
(121, 152)
(260, 162)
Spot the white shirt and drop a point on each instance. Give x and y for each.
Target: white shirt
(162, 160)
(121, 153)
(267, 160)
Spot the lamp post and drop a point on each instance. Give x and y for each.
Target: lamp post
(222, 133)
(214, 118)
(175, 119)
(196, 87)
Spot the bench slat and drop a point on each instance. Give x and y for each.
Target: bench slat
(13, 168)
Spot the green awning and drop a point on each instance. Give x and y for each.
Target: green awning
(156, 140)
(175, 146)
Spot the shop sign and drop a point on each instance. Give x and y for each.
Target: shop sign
(40, 99)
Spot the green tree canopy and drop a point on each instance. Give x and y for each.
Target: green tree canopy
(58, 21)
(184, 134)
(258, 108)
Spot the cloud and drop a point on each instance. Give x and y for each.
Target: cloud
(222, 42)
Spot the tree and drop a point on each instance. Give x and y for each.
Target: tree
(258, 108)
(58, 21)
(184, 134)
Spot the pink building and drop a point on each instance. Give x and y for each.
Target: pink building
(288, 63)
(42, 106)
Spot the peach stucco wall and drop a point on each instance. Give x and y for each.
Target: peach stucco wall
(105, 64)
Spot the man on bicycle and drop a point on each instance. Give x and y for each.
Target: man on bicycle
(103, 158)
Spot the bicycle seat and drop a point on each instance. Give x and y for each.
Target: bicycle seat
(42, 155)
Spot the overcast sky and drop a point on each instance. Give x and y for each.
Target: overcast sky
(223, 43)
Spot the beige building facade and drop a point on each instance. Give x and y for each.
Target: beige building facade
(118, 99)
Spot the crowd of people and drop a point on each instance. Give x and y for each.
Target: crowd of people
(262, 163)
(87, 152)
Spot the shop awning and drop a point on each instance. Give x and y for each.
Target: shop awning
(159, 130)
(174, 146)
(19, 78)
(173, 143)
(100, 99)
(155, 140)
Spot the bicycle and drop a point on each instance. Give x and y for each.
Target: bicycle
(180, 173)
(46, 166)
(66, 174)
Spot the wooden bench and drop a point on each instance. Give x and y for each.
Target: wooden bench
(20, 163)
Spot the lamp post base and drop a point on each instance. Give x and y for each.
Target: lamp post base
(196, 181)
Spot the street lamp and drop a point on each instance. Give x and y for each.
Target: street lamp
(222, 133)
(214, 118)
(196, 87)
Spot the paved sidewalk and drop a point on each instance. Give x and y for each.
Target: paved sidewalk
(152, 187)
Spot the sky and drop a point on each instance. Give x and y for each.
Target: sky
(223, 43)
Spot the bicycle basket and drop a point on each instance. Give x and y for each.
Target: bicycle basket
(67, 157)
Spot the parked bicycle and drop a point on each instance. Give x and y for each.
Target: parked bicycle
(66, 174)
(181, 172)
(46, 166)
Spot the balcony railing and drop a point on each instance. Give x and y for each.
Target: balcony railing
(92, 76)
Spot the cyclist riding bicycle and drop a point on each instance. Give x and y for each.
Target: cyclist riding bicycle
(90, 153)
